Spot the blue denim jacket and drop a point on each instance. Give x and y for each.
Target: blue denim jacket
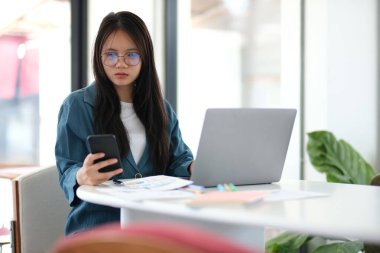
(75, 123)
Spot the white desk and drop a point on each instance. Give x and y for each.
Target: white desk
(349, 211)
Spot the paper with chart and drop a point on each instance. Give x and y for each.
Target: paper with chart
(153, 187)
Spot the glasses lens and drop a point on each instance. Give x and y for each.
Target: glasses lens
(110, 59)
(132, 58)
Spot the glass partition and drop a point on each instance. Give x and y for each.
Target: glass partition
(230, 55)
(34, 77)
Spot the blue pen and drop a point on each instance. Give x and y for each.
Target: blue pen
(221, 188)
(196, 187)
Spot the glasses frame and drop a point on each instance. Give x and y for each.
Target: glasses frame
(104, 57)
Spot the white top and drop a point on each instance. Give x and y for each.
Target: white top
(135, 130)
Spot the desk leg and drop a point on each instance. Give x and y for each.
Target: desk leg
(250, 236)
(124, 217)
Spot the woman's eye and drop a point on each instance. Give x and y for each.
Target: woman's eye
(111, 55)
(133, 55)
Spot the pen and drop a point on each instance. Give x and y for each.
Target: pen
(227, 187)
(191, 190)
(117, 182)
(196, 187)
(221, 188)
(233, 187)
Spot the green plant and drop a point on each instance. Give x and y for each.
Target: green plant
(342, 164)
(287, 242)
(337, 159)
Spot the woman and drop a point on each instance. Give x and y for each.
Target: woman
(125, 100)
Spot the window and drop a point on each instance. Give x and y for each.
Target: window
(247, 53)
(229, 55)
(34, 78)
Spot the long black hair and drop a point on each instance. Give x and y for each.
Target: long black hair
(148, 101)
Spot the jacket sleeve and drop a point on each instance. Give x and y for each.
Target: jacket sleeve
(180, 155)
(74, 125)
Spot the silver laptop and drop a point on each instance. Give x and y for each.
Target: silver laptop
(243, 146)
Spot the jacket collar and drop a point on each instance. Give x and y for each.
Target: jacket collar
(131, 168)
(90, 94)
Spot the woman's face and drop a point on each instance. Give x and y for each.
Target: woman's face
(121, 59)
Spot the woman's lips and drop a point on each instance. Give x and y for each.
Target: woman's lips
(120, 75)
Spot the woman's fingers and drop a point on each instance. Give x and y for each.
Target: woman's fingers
(89, 174)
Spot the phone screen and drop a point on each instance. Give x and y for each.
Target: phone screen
(107, 144)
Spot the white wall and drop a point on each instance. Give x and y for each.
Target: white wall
(341, 73)
(290, 79)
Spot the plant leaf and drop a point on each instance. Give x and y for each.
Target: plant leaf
(337, 159)
(286, 242)
(340, 247)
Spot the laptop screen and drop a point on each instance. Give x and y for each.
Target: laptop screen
(243, 146)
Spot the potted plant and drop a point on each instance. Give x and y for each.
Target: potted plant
(342, 164)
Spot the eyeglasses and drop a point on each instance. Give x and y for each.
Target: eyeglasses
(111, 58)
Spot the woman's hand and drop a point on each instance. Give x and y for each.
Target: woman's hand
(89, 174)
(190, 168)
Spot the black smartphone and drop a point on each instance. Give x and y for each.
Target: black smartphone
(107, 144)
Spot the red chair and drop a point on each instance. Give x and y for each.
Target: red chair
(147, 237)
